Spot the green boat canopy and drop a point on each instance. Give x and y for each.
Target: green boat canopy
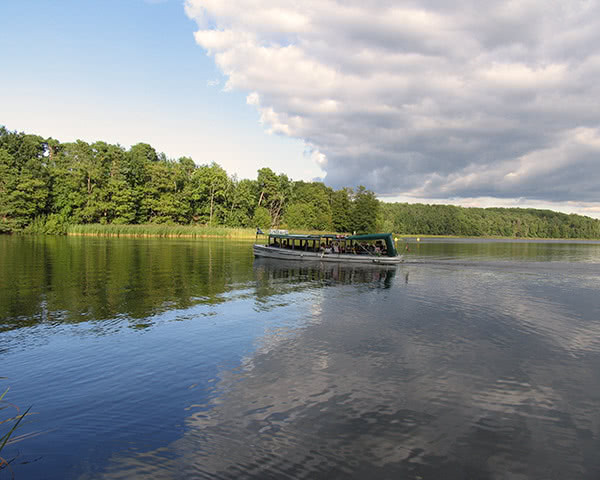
(386, 237)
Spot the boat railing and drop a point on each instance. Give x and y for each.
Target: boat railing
(366, 250)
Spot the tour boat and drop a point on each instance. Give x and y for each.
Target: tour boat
(373, 248)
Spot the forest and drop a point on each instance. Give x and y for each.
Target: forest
(46, 185)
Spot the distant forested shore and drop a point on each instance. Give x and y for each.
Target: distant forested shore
(51, 187)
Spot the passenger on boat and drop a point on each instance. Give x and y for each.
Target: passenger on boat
(325, 248)
(378, 246)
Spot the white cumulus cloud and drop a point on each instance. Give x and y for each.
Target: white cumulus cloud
(428, 99)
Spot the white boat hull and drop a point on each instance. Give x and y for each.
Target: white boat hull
(288, 254)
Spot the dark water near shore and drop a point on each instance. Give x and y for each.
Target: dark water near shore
(169, 359)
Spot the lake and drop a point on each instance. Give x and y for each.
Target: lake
(176, 358)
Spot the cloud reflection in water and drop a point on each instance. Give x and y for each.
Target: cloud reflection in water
(424, 371)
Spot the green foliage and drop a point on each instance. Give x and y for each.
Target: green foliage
(24, 179)
(123, 202)
(242, 203)
(274, 192)
(261, 218)
(135, 163)
(56, 224)
(341, 210)
(420, 219)
(300, 216)
(310, 206)
(46, 186)
(209, 190)
(53, 224)
(364, 211)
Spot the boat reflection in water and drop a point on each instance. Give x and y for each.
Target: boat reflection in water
(271, 274)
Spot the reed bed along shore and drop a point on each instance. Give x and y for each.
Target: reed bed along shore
(161, 230)
(166, 230)
(204, 231)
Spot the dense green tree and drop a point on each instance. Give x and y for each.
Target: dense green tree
(301, 216)
(274, 192)
(162, 200)
(124, 201)
(25, 183)
(267, 184)
(184, 170)
(135, 163)
(341, 210)
(261, 218)
(8, 184)
(242, 203)
(28, 199)
(210, 184)
(114, 186)
(23, 195)
(312, 198)
(364, 211)
(28, 151)
(70, 181)
(284, 190)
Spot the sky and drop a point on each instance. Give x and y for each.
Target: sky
(473, 103)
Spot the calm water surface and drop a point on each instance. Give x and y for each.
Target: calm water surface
(170, 359)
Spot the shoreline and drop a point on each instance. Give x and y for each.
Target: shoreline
(157, 235)
(412, 238)
(241, 233)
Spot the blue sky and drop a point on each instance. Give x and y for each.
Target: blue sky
(487, 103)
(127, 71)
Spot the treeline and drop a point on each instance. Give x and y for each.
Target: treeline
(49, 185)
(46, 185)
(419, 219)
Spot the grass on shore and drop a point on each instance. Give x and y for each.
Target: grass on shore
(170, 230)
(160, 230)
(204, 231)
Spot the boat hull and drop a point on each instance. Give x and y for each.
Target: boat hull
(287, 254)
